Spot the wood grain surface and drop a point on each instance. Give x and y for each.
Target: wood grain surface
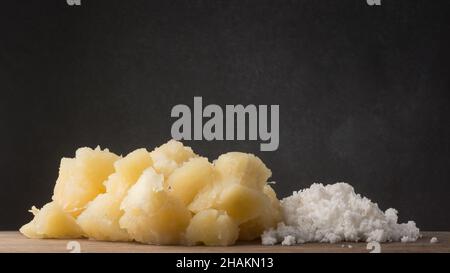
(13, 241)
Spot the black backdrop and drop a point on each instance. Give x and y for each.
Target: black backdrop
(362, 90)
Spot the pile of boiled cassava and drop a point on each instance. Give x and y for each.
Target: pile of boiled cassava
(167, 196)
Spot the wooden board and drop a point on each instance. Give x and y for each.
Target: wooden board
(13, 241)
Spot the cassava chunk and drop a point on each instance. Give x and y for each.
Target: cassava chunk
(185, 182)
(152, 215)
(100, 220)
(81, 178)
(240, 202)
(213, 228)
(128, 170)
(245, 169)
(169, 156)
(206, 197)
(275, 205)
(269, 218)
(51, 222)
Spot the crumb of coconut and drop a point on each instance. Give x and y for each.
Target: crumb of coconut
(407, 239)
(434, 240)
(269, 238)
(350, 246)
(335, 213)
(288, 241)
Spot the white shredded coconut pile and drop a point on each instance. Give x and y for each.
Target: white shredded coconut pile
(335, 213)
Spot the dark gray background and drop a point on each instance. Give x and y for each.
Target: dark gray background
(362, 90)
